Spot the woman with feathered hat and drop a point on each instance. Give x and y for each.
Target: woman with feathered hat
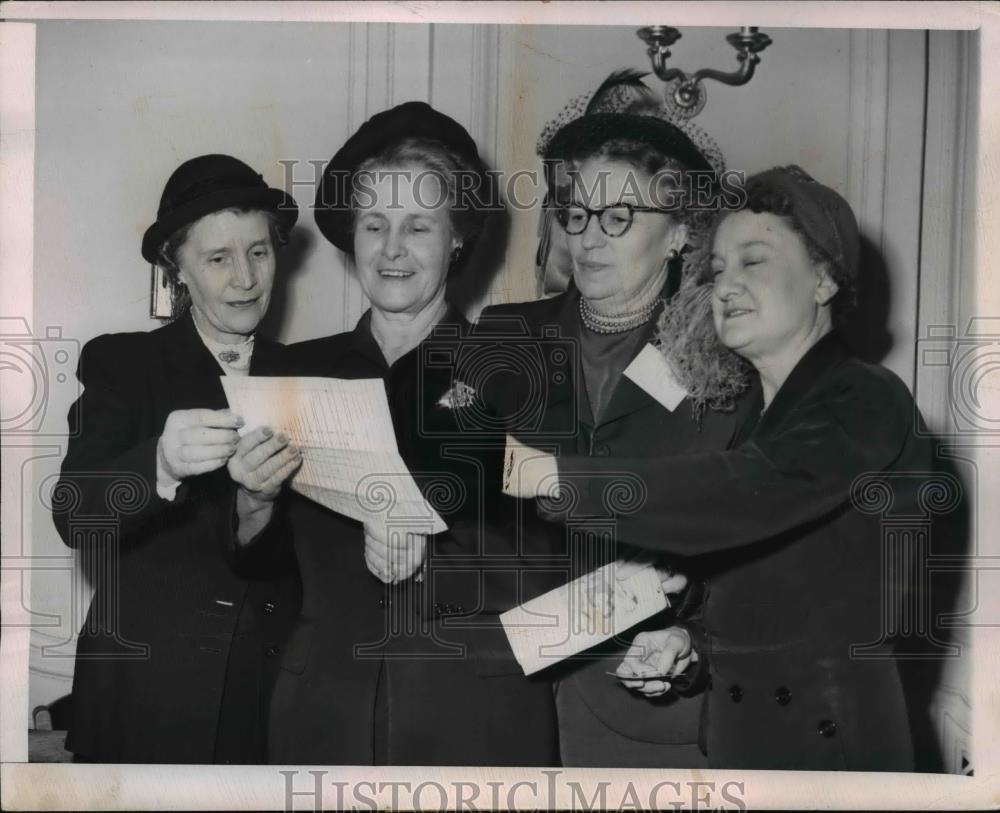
(810, 592)
(620, 179)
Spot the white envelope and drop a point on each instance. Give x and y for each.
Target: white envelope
(563, 622)
(651, 371)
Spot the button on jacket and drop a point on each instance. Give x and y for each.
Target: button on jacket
(788, 523)
(171, 663)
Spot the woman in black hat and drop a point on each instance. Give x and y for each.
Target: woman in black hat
(175, 662)
(621, 175)
(798, 522)
(399, 657)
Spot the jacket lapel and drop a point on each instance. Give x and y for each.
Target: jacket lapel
(826, 354)
(267, 359)
(628, 396)
(564, 373)
(193, 376)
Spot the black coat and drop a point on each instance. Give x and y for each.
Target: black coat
(546, 405)
(420, 672)
(806, 526)
(177, 656)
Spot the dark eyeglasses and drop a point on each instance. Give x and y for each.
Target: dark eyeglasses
(614, 220)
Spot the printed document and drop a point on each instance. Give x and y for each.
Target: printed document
(350, 460)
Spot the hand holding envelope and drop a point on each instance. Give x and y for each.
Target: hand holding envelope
(529, 473)
(654, 658)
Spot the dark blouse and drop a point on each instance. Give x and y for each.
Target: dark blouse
(604, 357)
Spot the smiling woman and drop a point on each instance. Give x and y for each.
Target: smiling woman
(403, 248)
(803, 607)
(399, 657)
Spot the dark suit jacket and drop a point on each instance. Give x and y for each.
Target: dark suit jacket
(544, 402)
(174, 638)
(808, 527)
(431, 655)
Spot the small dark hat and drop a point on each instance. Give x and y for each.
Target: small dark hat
(207, 184)
(825, 217)
(381, 131)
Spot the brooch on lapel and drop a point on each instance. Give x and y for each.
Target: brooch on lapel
(460, 395)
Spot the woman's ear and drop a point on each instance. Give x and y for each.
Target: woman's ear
(826, 287)
(676, 238)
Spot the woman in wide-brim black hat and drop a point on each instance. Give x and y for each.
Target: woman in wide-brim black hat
(399, 657)
(622, 174)
(173, 661)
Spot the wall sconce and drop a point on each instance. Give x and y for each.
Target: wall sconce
(684, 93)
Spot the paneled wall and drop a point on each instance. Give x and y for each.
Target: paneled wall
(119, 105)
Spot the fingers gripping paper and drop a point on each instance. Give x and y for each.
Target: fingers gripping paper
(350, 460)
(577, 616)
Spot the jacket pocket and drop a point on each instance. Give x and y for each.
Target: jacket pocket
(296, 657)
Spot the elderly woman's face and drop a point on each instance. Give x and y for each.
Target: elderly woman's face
(227, 264)
(618, 274)
(403, 240)
(767, 292)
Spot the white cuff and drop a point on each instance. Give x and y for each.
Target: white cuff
(169, 491)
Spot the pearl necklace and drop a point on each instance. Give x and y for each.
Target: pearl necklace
(619, 323)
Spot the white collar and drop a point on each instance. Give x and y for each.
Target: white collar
(232, 358)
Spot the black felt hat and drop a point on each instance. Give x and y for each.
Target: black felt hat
(381, 131)
(207, 184)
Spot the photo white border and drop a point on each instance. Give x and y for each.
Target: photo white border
(77, 787)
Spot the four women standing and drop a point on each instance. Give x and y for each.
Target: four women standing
(397, 655)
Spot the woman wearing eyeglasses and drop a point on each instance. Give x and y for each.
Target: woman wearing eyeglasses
(615, 174)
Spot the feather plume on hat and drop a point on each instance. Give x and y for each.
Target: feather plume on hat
(624, 106)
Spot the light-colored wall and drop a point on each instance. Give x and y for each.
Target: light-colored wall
(845, 105)
(120, 105)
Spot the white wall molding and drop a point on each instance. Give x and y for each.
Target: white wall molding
(389, 64)
(869, 120)
(946, 252)
(885, 153)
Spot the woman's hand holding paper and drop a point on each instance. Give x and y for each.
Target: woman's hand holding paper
(528, 472)
(195, 441)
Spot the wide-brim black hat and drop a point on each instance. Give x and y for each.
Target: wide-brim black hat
(588, 133)
(208, 184)
(383, 130)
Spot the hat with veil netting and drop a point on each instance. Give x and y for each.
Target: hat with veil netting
(624, 108)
